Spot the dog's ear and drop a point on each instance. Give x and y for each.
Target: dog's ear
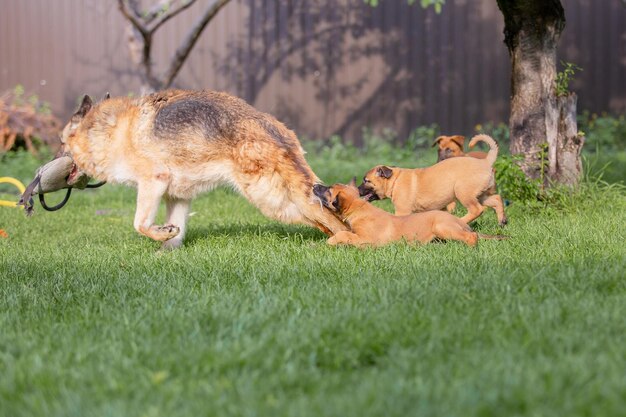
(459, 140)
(352, 182)
(436, 142)
(85, 106)
(384, 171)
(106, 96)
(77, 117)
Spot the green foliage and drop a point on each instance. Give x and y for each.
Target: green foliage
(498, 131)
(422, 137)
(437, 4)
(563, 78)
(20, 99)
(512, 182)
(385, 146)
(603, 131)
(343, 160)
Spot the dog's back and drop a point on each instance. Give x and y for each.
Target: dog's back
(192, 141)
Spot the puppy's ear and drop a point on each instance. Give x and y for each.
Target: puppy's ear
(459, 140)
(436, 142)
(384, 171)
(352, 182)
(85, 106)
(106, 96)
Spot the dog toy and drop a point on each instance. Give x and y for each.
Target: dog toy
(60, 173)
(18, 184)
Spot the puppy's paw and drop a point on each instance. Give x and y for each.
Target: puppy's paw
(504, 222)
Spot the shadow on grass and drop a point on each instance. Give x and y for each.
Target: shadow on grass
(303, 233)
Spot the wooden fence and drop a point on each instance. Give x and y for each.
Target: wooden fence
(322, 66)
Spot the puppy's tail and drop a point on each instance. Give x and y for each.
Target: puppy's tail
(493, 151)
(494, 237)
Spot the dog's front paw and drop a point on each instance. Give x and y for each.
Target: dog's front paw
(165, 232)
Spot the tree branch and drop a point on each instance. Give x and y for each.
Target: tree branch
(156, 10)
(182, 52)
(145, 44)
(159, 16)
(132, 17)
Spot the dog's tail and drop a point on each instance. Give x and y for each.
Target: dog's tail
(493, 151)
(494, 237)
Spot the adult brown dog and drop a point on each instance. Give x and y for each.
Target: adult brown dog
(373, 226)
(452, 146)
(176, 144)
(468, 180)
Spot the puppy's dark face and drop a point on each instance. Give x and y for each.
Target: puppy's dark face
(449, 147)
(375, 183)
(336, 197)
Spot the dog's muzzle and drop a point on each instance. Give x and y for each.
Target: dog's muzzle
(443, 154)
(367, 194)
(319, 190)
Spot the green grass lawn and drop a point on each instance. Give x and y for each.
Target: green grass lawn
(256, 318)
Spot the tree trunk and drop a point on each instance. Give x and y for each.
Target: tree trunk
(564, 142)
(538, 116)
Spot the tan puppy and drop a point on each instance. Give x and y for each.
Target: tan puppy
(452, 146)
(371, 225)
(468, 180)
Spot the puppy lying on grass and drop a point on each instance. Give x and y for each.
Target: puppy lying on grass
(373, 226)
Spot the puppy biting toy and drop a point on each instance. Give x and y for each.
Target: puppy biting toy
(60, 173)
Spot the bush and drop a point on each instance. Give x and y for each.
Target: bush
(513, 183)
(26, 122)
(386, 145)
(603, 131)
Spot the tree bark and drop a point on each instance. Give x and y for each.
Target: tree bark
(538, 116)
(564, 142)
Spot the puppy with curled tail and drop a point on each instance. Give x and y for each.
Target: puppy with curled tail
(469, 180)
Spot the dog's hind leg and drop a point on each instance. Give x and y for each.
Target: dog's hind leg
(454, 231)
(149, 195)
(474, 209)
(176, 215)
(495, 201)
